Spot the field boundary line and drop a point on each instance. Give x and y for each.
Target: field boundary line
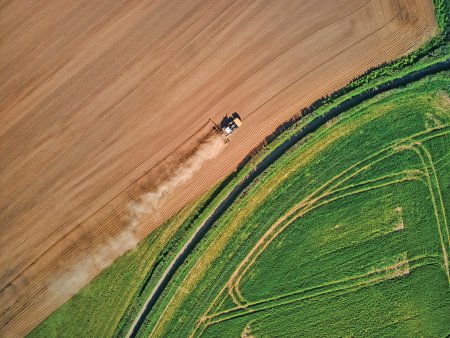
(299, 208)
(429, 260)
(401, 268)
(303, 207)
(438, 188)
(311, 208)
(301, 214)
(393, 149)
(418, 148)
(396, 146)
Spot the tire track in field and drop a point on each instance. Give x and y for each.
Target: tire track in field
(439, 209)
(409, 175)
(398, 269)
(245, 307)
(330, 186)
(314, 201)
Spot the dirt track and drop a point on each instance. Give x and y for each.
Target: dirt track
(94, 95)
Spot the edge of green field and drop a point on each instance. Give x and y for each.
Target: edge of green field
(250, 216)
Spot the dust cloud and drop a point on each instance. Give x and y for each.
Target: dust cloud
(150, 202)
(88, 265)
(105, 254)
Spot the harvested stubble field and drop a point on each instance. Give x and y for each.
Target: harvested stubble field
(100, 100)
(345, 235)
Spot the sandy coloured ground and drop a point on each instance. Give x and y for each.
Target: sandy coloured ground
(94, 95)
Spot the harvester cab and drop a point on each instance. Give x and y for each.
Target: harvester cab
(228, 125)
(232, 126)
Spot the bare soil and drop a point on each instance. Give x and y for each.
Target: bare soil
(100, 101)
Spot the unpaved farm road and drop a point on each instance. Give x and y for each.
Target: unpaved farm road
(101, 99)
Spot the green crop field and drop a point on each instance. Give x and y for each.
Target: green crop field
(345, 235)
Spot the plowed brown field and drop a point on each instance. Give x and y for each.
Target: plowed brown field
(101, 99)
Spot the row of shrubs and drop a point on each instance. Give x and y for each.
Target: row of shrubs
(436, 47)
(442, 10)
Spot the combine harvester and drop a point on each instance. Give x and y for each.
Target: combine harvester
(228, 126)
